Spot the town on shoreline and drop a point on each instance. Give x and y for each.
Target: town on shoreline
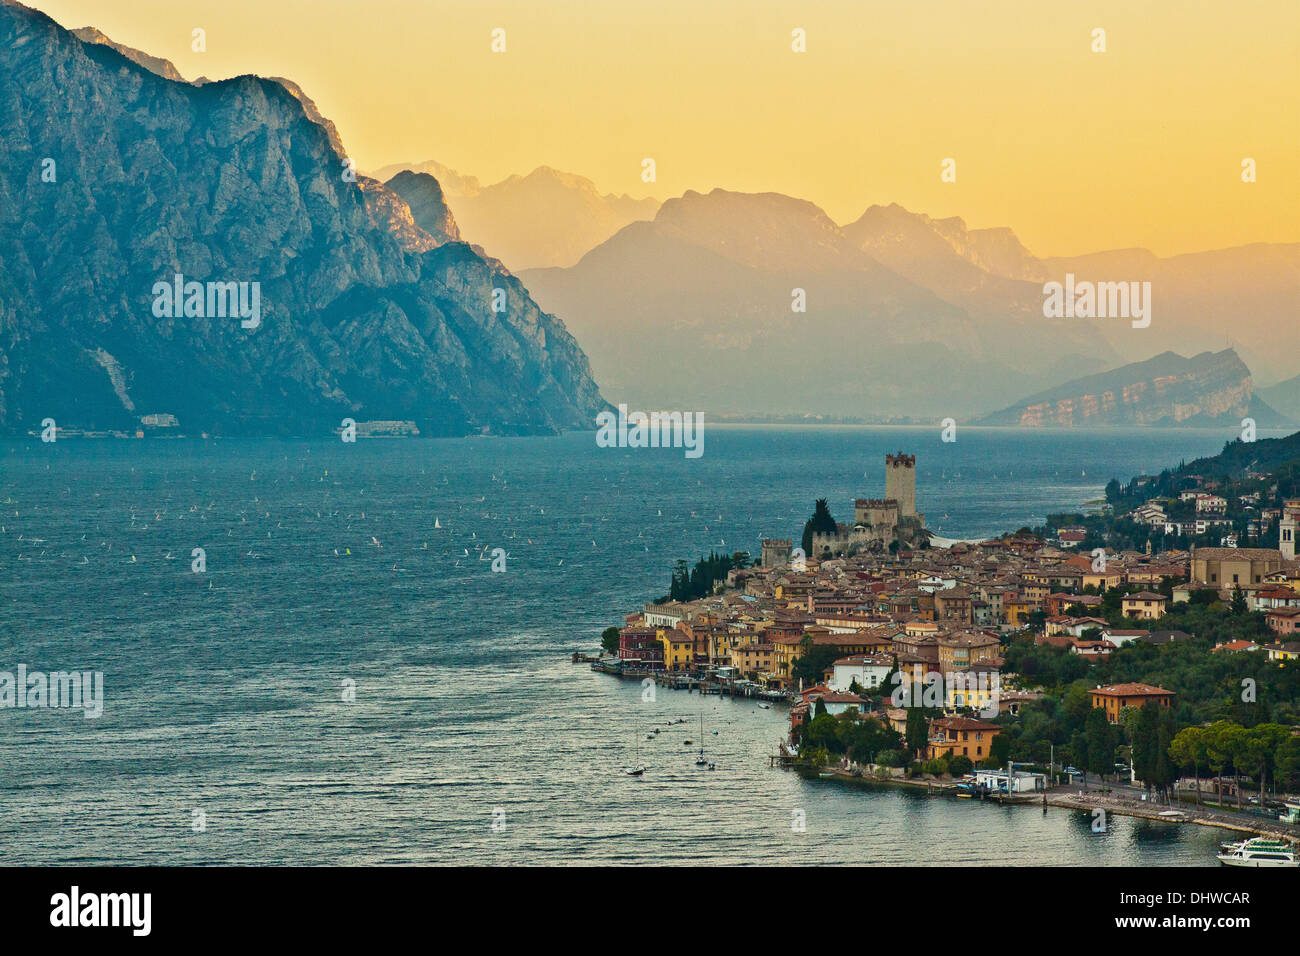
(1046, 665)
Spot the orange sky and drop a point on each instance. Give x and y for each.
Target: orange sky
(1077, 151)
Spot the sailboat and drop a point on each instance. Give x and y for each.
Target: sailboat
(639, 768)
(701, 760)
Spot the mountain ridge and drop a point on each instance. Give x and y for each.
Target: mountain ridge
(541, 219)
(716, 275)
(1208, 389)
(362, 314)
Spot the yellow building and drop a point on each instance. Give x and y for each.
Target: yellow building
(968, 690)
(1225, 567)
(785, 649)
(753, 659)
(1146, 605)
(1101, 580)
(679, 649)
(1018, 611)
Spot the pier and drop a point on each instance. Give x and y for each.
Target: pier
(687, 682)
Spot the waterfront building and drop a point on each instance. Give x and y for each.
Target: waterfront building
(678, 649)
(1020, 781)
(640, 647)
(960, 736)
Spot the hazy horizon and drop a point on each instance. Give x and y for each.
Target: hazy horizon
(1088, 151)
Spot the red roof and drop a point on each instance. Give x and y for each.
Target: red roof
(1133, 690)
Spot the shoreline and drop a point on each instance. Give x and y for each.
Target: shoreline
(1060, 797)
(1066, 800)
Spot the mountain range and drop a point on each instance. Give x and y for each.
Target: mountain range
(383, 289)
(907, 315)
(546, 218)
(118, 176)
(698, 308)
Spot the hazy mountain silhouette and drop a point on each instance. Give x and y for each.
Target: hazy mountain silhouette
(694, 309)
(1284, 396)
(1248, 296)
(547, 218)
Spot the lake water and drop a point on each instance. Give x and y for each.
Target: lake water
(223, 691)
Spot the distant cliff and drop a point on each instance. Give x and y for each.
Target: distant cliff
(547, 218)
(117, 176)
(1213, 388)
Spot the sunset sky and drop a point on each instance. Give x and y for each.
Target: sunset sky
(1077, 151)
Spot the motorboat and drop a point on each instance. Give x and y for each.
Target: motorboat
(1258, 852)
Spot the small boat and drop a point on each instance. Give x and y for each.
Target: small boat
(765, 706)
(1259, 852)
(826, 774)
(701, 761)
(638, 768)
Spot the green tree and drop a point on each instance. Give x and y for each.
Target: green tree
(999, 752)
(1188, 750)
(959, 766)
(1101, 744)
(1259, 749)
(1221, 743)
(917, 731)
(1166, 772)
(821, 522)
(609, 640)
(1145, 739)
(680, 589)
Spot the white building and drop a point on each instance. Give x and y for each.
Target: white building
(1121, 636)
(868, 671)
(1021, 781)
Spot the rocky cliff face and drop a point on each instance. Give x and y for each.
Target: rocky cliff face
(423, 195)
(116, 179)
(1213, 388)
(154, 64)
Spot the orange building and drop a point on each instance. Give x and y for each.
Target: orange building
(1116, 697)
(962, 736)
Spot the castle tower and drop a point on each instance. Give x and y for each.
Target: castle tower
(776, 552)
(1287, 528)
(900, 482)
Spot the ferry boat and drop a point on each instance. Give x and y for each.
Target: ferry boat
(1258, 852)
